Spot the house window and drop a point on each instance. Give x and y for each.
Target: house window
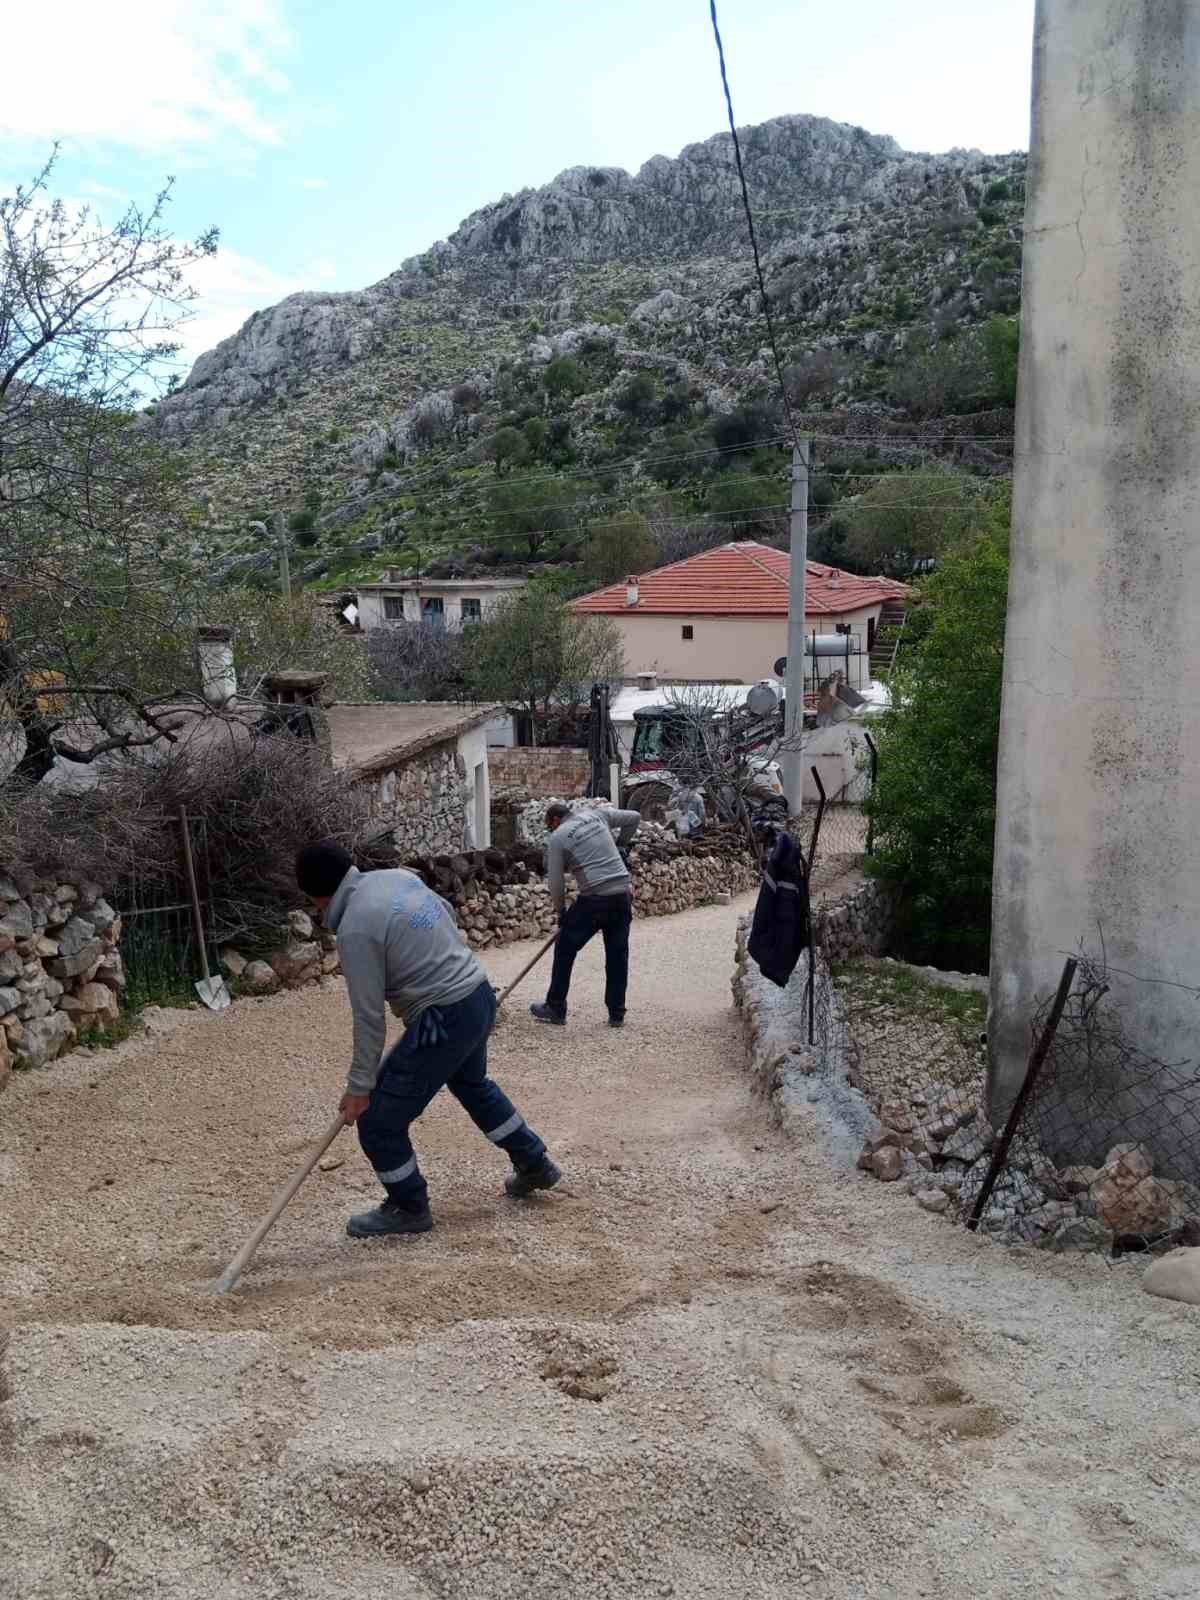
(472, 611)
(687, 631)
(433, 612)
(393, 608)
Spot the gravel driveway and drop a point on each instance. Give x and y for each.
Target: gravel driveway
(708, 1365)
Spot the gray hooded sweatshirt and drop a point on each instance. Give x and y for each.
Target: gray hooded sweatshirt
(399, 948)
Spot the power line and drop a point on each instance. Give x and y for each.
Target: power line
(762, 282)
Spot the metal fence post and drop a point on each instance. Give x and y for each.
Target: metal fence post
(874, 749)
(1041, 1050)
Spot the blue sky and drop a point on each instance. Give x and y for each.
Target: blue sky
(330, 141)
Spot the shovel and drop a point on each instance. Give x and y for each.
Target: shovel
(525, 970)
(211, 990)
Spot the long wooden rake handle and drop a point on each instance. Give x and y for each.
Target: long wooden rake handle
(246, 1254)
(526, 969)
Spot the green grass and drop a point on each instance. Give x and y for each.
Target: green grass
(875, 983)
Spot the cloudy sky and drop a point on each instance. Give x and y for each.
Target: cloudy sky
(328, 141)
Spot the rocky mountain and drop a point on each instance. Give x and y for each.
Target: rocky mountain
(372, 417)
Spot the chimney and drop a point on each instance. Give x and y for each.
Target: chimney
(303, 694)
(631, 591)
(218, 678)
(647, 681)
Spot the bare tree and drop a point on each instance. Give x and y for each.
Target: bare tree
(414, 661)
(95, 557)
(713, 744)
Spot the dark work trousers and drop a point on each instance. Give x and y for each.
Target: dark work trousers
(413, 1073)
(607, 914)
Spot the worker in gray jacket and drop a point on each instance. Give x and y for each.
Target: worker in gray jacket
(399, 948)
(582, 842)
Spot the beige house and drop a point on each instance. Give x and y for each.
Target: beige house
(721, 617)
(442, 602)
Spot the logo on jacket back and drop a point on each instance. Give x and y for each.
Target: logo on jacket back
(419, 906)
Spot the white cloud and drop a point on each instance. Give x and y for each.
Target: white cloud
(102, 191)
(231, 287)
(311, 183)
(147, 74)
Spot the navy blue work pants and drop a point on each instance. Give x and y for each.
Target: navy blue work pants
(412, 1073)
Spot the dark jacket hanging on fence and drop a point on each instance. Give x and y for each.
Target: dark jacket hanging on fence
(780, 930)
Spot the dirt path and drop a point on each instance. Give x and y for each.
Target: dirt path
(708, 1365)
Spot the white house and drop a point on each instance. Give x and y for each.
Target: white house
(442, 602)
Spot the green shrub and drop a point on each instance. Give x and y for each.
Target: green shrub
(934, 806)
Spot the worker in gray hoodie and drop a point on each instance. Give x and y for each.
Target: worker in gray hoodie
(399, 947)
(582, 842)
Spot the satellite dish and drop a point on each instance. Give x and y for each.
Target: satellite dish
(762, 700)
(781, 667)
(350, 613)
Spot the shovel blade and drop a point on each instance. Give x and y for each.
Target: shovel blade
(214, 993)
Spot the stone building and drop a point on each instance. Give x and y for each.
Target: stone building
(426, 765)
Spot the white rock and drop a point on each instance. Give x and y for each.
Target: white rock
(1175, 1276)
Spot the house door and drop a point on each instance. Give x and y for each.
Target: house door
(870, 634)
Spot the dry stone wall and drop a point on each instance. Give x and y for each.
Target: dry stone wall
(423, 801)
(860, 924)
(60, 967)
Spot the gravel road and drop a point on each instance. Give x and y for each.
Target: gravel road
(708, 1365)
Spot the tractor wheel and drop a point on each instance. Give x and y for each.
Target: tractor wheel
(651, 800)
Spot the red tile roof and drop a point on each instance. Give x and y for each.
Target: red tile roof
(747, 579)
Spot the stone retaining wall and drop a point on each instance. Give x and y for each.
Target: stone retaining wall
(660, 887)
(861, 924)
(60, 968)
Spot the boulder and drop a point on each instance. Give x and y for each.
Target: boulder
(10, 999)
(84, 959)
(295, 963)
(44, 1039)
(101, 915)
(260, 978)
(97, 999)
(1129, 1163)
(1079, 1233)
(301, 925)
(111, 971)
(75, 936)
(17, 921)
(1142, 1206)
(887, 1164)
(6, 1061)
(968, 1145)
(1175, 1276)
(933, 1199)
(233, 961)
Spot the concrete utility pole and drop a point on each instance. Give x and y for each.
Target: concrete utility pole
(285, 564)
(793, 757)
(1097, 835)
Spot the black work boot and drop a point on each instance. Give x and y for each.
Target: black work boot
(616, 1019)
(390, 1217)
(522, 1184)
(541, 1012)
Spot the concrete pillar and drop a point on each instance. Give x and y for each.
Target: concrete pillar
(1098, 827)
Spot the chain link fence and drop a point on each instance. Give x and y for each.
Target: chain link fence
(1100, 1150)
